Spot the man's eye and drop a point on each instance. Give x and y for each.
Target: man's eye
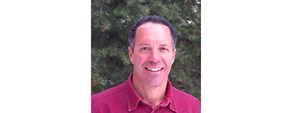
(145, 48)
(164, 49)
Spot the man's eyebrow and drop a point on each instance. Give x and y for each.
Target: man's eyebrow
(143, 44)
(164, 45)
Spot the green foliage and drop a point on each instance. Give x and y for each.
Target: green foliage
(111, 20)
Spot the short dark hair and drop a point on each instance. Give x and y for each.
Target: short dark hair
(154, 19)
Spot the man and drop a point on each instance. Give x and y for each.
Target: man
(152, 51)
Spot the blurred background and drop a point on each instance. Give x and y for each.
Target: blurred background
(111, 20)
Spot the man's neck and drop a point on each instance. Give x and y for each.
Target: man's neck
(152, 95)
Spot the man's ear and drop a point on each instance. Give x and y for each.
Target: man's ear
(130, 53)
(174, 55)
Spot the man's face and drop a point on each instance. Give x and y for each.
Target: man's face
(153, 53)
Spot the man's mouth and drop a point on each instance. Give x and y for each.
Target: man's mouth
(153, 69)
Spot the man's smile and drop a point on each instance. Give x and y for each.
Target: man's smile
(154, 69)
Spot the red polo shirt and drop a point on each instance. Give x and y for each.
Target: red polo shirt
(124, 99)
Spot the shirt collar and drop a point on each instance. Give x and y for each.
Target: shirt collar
(169, 97)
(134, 98)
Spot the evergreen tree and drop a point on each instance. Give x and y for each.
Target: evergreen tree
(111, 20)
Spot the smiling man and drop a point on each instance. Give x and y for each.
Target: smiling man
(152, 52)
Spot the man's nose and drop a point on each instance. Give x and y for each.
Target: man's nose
(154, 56)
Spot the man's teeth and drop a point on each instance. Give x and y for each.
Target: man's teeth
(154, 69)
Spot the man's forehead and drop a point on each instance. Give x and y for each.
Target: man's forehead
(160, 36)
(151, 27)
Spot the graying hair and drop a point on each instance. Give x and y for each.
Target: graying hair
(154, 19)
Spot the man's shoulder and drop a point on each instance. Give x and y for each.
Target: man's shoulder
(109, 93)
(186, 102)
(183, 96)
(107, 100)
